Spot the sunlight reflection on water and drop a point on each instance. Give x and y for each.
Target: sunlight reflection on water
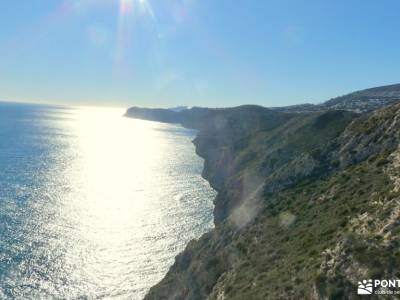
(94, 205)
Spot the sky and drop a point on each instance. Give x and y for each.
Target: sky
(215, 53)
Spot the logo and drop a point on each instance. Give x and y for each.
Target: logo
(365, 287)
(379, 287)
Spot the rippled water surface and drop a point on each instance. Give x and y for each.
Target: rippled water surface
(94, 205)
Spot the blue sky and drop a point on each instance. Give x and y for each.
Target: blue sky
(195, 52)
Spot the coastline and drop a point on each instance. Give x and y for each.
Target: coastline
(228, 141)
(274, 233)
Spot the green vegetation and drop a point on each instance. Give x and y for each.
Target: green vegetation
(308, 204)
(276, 260)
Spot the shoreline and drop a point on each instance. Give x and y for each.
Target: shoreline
(273, 173)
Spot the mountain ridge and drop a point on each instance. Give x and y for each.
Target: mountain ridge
(359, 101)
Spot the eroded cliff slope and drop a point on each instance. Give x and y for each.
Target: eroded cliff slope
(308, 204)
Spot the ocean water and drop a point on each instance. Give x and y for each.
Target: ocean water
(94, 205)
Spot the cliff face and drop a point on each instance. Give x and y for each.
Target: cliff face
(249, 149)
(307, 205)
(322, 234)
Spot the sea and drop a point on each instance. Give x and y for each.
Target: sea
(94, 205)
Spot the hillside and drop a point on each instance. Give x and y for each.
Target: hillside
(360, 101)
(308, 205)
(366, 100)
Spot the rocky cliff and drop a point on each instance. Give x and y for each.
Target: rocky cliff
(308, 204)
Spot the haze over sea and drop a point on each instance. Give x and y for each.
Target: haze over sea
(92, 204)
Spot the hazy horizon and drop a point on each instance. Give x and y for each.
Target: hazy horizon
(122, 53)
(121, 105)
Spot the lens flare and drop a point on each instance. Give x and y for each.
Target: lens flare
(143, 7)
(126, 7)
